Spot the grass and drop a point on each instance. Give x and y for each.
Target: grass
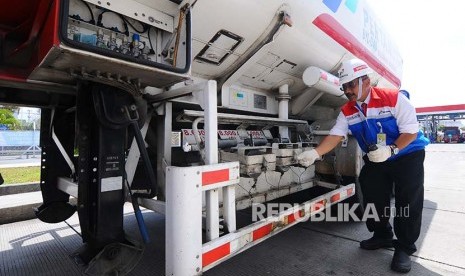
(20, 175)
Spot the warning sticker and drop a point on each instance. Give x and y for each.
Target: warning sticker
(111, 184)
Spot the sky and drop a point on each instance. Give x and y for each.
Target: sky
(431, 38)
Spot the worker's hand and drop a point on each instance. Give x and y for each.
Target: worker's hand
(308, 157)
(380, 155)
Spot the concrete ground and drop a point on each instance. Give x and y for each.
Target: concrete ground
(310, 248)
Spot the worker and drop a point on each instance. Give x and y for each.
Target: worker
(385, 125)
(405, 93)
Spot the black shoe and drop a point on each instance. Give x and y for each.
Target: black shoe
(401, 262)
(376, 243)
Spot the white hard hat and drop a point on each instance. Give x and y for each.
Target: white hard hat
(352, 69)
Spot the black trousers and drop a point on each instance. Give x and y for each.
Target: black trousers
(376, 180)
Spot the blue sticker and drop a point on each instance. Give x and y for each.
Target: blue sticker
(239, 95)
(352, 5)
(332, 4)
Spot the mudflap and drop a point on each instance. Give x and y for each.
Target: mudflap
(54, 212)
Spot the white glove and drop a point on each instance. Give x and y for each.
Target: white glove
(380, 155)
(308, 157)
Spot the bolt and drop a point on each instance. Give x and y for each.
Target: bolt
(151, 19)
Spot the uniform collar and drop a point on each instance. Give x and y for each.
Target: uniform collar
(374, 93)
(367, 99)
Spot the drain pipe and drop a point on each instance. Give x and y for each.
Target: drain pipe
(283, 110)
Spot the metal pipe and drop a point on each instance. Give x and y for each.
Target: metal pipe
(322, 81)
(211, 157)
(283, 109)
(227, 143)
(211, 124)
(281, 18)
(198, 140)
(319, 82)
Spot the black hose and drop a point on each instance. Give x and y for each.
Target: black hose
(146, 160)
(138, 213)
(92, 21)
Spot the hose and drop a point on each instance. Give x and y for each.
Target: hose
(138, 213)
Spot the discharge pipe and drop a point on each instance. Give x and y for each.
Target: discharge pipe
(321, 80)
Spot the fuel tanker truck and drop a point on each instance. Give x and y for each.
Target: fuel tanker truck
(192, 109)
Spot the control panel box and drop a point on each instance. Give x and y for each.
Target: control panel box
(127, 42)
(240, 98)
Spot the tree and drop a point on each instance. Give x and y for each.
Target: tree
(7, 119)
(12, 108)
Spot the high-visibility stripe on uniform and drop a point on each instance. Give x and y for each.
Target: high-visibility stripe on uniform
(213, 177)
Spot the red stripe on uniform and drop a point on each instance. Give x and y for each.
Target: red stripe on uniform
(335, 197)
(262, 231)
(214, 177)
(216, 254)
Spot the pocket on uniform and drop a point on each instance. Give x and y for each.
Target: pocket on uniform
(389, 126)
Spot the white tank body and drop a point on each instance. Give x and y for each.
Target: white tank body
(323, 33)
